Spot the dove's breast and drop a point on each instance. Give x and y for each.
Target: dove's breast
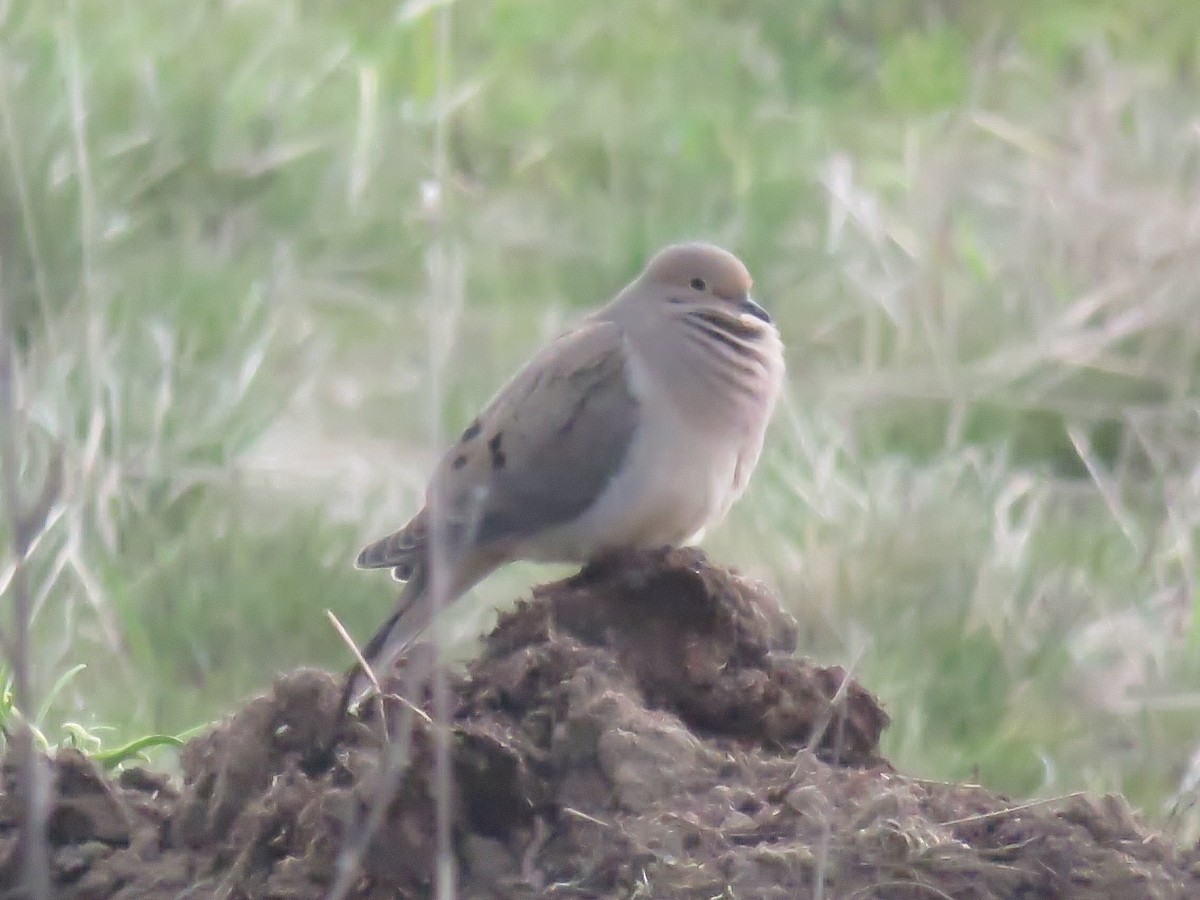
(678, 478)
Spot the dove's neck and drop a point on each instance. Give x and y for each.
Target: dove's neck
(722, 372)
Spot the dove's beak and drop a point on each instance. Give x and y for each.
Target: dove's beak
(752, 308)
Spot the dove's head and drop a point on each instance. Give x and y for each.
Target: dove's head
(695, 276)
(696, 336)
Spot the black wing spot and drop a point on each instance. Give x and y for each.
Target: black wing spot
(472, 431)
(498, 458)
(459, 461)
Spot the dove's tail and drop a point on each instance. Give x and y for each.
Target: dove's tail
(410, 617)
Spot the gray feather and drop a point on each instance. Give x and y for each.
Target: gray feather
(548, 444)
(402, 551)
(409, 618)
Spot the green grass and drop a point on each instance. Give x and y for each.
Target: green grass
(977, 231)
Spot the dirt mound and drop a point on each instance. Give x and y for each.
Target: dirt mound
(638, 730)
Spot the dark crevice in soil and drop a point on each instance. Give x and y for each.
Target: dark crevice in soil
(639, 730)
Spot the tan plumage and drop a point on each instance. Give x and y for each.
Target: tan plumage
(638, 428)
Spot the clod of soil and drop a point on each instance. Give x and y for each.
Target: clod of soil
(639, 730)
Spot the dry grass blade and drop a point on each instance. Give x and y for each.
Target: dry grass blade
(1007, 811)
(899, 883)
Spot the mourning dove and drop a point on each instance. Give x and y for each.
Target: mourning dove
(639, 428)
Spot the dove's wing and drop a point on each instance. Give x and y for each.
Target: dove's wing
(539, 454)
(549, 442)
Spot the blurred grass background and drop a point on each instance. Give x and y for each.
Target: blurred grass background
(977, 224)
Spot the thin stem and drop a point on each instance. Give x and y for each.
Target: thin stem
(34, 782)
(445, 881)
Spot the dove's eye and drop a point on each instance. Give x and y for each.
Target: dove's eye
(698, 284)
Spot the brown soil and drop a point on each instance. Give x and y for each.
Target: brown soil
(640, 730)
